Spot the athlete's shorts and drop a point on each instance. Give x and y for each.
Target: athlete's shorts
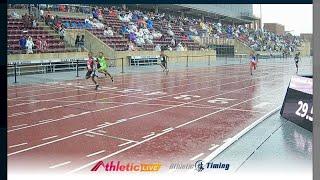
(253, 65)
(164, 63)
(90, 74)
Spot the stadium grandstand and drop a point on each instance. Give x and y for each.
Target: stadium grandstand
(142, 28)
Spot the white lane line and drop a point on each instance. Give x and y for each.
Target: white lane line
(96, 153)
(226, 140)
(79, 130)
(122, 120)
(151, 134)
(123, 144)
(70, 115)
(168, 129)
(49, 138)
(197, 156)
(45, 120)
(18, 145)
(237, 136)
(67, 137)
(42, 109)
(101, 131)
(59, 165)
(123, 139)
(117, 152)
(213, 147)
(19, 125)
(126, 104)
(89, 135)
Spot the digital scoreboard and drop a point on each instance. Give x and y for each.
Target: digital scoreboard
(297, 105)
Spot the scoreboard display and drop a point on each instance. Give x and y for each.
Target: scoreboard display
(297, 105)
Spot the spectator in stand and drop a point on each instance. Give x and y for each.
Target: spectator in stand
(173, 42)
(157, 47)
(170, 32)
(29, 45)
(112, 12)
(77, 42)
(132, 37)
(170, 48)
(94, 13)
(62, 32)
(156, 34)
(86, 20)
(108, 32)
(180, 47)
(25, 20)
(124, 30)
(131, 47)
(149, 24)
(81, 43)
(22, 43)
(184, 37)
(34, 23)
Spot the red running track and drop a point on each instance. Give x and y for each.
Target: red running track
(180, 117)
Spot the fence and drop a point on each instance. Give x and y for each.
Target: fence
(72, 68)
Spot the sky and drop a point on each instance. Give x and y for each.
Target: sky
(296, 18)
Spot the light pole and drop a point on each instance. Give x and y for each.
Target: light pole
(260, 16)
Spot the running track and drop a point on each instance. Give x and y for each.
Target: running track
(180, 117)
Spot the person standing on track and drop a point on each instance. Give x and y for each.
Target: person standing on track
(164, 61)
(253, 62)
(102, 65)
(296, 60)
(91, 70)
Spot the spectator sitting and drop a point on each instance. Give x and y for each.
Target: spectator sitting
(15, 15)
(81, 43)
(149, 24)
(170, 48)
(87, 20)
(77, 42)
(184, 37)
(29, 45)
(156, 34)
(108, 32)
(170, 32)
(22, 42)
(180, 47)
(157, 47)
(124, 30)
(131, 47)
(140, 41)
(62, 32)
(173, 42)
(132, 37)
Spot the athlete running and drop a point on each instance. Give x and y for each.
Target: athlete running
(296, 60)
(164, 61)
(91, 70)
(103, 65)
(253, 62)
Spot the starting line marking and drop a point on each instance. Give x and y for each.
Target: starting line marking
(61, 164)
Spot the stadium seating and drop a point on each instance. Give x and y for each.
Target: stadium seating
(16, 29)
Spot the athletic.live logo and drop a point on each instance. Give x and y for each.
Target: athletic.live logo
(112, 166)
